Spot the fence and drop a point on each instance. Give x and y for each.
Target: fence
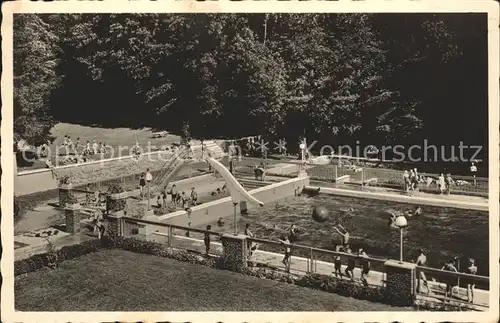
(310, 260)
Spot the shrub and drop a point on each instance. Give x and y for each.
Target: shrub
(321, 282)
(17, 209)
(65, 180)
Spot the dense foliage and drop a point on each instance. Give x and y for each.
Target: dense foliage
(338, 78)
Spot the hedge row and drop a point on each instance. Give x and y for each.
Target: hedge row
(54, 257)
(325, 283)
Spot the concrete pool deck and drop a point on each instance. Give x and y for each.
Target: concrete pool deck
(452, 200)
(299, 267)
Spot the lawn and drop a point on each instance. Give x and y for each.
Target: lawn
(117, 280)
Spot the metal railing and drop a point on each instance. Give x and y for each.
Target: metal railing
(172, 235)
(432, 284)
(311, 260)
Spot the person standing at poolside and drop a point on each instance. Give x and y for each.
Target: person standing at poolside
(206, 239)
(251, 246)
(421, 261)
(471, 270)
(344, 235)
(288, 253)
(95, 147)
(142, 184)
(412, 178)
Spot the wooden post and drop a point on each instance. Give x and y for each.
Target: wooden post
(170, 233)
(312, 262)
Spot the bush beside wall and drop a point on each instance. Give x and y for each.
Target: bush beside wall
(54, 257)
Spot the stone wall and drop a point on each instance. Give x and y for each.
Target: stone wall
(72, 219)
(234, 251)
(400, 282)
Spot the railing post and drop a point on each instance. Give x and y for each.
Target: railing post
(312, 262)
(336, 174)
(170, 234)
(400, 282)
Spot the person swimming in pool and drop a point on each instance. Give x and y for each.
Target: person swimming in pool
(416, 212)
(293, 233)
(392, 220)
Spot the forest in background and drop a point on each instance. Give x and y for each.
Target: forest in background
(379, 79)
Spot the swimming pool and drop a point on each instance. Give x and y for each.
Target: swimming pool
(442, 232)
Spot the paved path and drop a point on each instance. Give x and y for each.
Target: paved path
(299, 266)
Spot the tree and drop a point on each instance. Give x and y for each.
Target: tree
(35, 62)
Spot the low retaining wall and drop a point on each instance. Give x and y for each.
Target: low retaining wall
(422, 200)
(224, 207)
(34, 181)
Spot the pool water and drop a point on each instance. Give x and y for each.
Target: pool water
(442, 232)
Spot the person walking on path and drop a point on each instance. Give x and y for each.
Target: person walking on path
(351, 264)
(406, 180)
(448, 182)
(365, 266)
(142, 184)
(338, 263)
(473, 170)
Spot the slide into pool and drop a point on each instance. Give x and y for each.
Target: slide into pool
(238, 192)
